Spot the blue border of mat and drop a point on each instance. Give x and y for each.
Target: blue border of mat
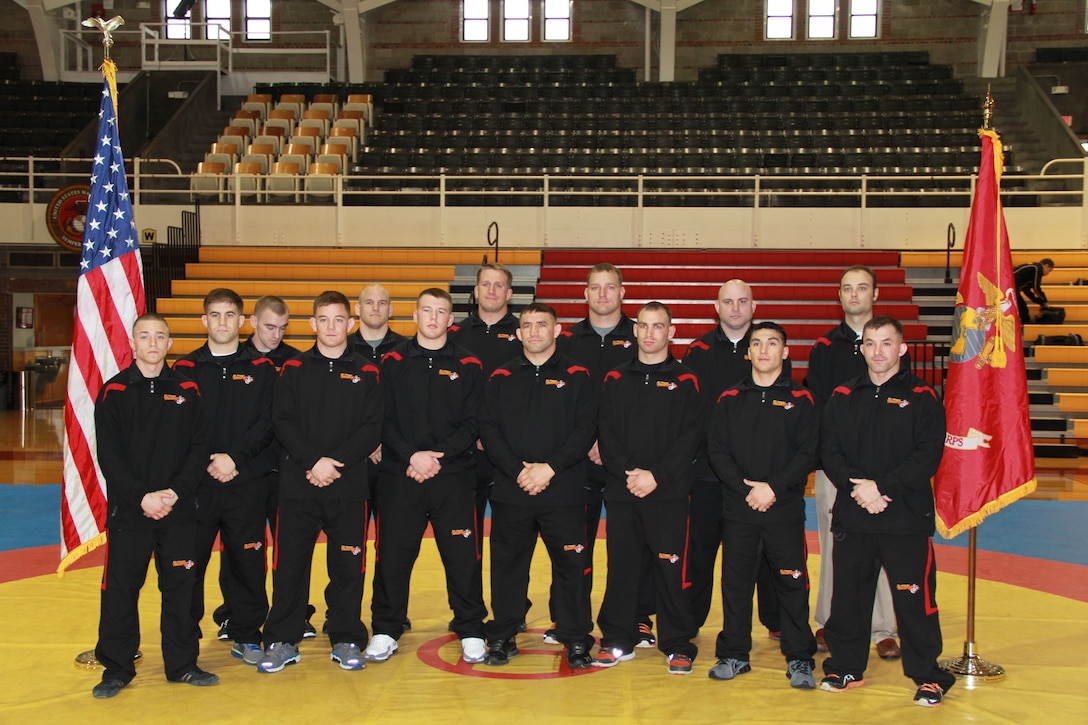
(1052, 530)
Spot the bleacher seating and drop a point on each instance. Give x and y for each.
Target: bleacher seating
(889, 114)
(40, 118)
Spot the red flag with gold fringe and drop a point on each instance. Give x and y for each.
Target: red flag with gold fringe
(988, 460)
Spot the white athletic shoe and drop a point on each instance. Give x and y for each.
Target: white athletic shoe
(381, 648)
(473, 650)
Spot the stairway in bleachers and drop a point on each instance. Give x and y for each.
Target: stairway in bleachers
(299, 274)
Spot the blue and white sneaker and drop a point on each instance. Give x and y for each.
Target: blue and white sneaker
(348, 655)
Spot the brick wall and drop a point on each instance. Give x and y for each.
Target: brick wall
(948, 29)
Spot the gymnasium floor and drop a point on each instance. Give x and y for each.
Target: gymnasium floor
(1032, 619)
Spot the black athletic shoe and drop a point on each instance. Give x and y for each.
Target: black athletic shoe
(929, 695)
(578, 657)
(840, 683)
(197, 677)
(222, 636)
(107, 689)
(500, 652)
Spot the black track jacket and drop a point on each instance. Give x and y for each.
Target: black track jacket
(326, 407)
(545, 414)
(494, 345)
(432, 403)
(720, 364)
(237, 400)
(892, 434)
(581, 342)
(764, 434)
(390, 341)
(152, 435)
(651, 418)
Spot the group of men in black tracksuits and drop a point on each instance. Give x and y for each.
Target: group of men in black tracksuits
(442, 420)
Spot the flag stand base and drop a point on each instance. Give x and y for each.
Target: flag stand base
(87, 660)
(971, 670)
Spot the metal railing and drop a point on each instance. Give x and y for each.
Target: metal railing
(929, 361)
(302, 50)
(161, 181)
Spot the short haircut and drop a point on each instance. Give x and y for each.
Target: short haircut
(222, 294)
(859, 268)
(364, 290)
(773, 327)
(498, 268)
(331, 297)
(655, 306)
(154, 317)
(435, 292)
(272, 303)
(539, 307)
(1047, 262)
(605, 267)
(882, 321)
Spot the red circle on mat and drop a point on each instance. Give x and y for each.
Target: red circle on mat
(553, 662)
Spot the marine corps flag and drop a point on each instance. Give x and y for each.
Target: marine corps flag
(988, 459)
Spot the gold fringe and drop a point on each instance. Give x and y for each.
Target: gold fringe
(109, 72)
(85, 548)
(1024, 489)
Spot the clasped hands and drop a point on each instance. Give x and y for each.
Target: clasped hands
(868, 496)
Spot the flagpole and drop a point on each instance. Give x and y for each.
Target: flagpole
(87, 660)
(969, 668)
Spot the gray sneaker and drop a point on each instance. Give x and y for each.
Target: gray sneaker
(800, 674)
(728, 668)
(348, 655)
(251, 654)
(277, 656)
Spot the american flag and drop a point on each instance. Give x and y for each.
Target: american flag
(109, 298)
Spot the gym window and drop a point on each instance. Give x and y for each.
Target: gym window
(779, 20)
(258, 19)
(821, 19)
(864, 18)
(557, 20)
(474, 21)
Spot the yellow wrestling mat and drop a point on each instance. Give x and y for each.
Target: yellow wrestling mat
(1038, 638)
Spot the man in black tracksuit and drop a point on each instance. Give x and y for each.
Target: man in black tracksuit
(327, 413)
(433, 392)
(374, 339)
(152, 449)
(540, 484)
(882, 438)
(762, 444)
(720, 359)
(1029, 284)
(490, 334)
(236, 387)
(651, 423)
(602, 341)
(269, 320)
(836, 358)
